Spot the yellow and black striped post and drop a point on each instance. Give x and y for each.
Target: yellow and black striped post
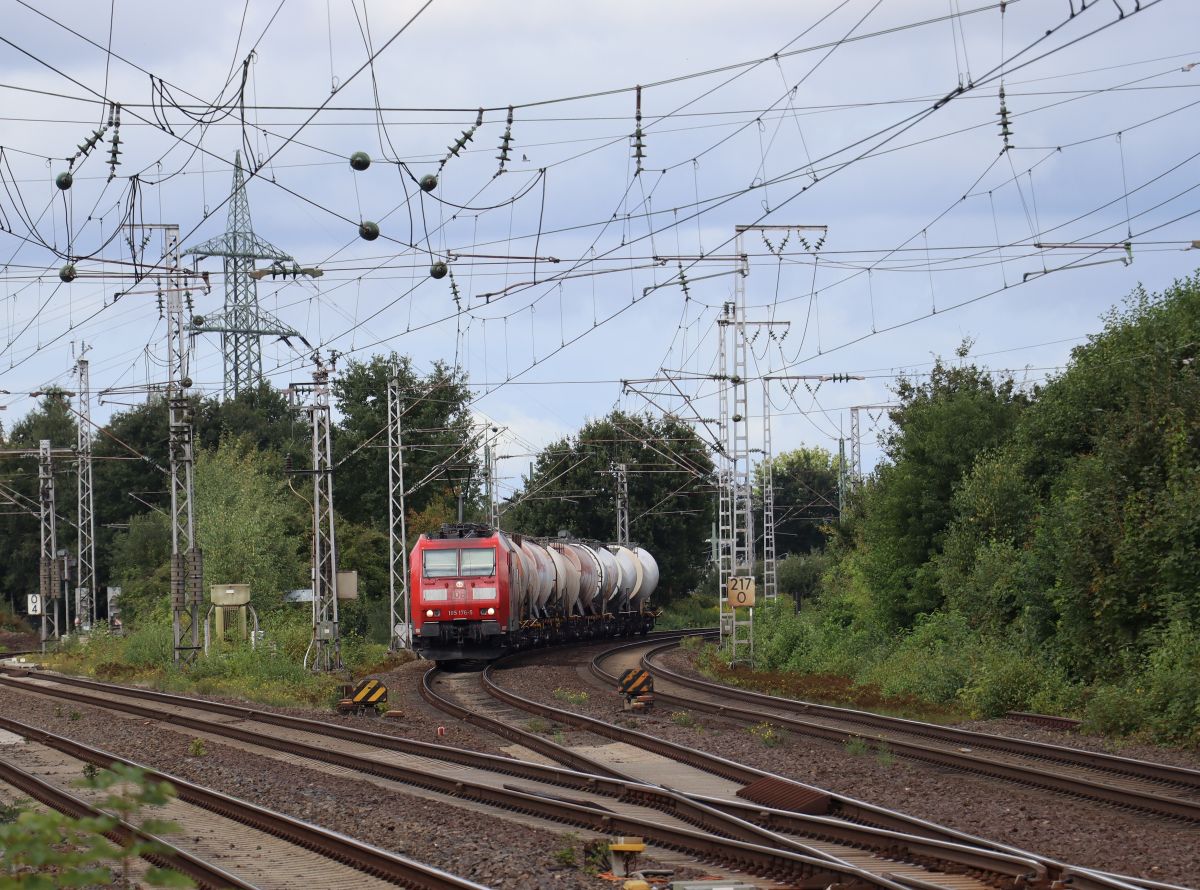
(369, 692)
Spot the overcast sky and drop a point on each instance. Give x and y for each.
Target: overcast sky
(932, 225)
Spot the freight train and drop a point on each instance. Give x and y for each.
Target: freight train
(479, 593)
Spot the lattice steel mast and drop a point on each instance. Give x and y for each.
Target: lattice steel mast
(242, 321)
(770, 575)
(622, 474)
(398, 608)
(324, 652)
(85, 590)
(855, 472)
(187, 562)
(48, 564)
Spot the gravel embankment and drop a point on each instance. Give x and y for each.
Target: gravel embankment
(1080, 832)
(466, 842)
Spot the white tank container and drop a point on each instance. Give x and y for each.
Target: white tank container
(631, 574)
(589, 578)
(562, 583)
(610, 576)
(570, 588)
(649, 575)
(520, 573)
(544, 570)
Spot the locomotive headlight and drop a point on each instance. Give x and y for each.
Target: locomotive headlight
(429, 613)
(489, 611)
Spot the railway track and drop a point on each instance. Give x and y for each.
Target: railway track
(844, 808)
(1160, 789)
(747, 835)
(855, 823)
(606, 806)
(272, 850)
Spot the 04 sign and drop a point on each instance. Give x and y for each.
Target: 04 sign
(741, 592)
(33, 603)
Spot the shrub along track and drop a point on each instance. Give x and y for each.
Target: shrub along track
(598, 803)
(1163, 790)
(284, 847)
(778, 803)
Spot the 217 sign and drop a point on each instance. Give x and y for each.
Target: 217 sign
(740, 592)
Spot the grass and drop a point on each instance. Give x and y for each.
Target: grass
(856, 746)
(770, 735)
(196, 748)
(683, 718)
(691, 611)
(537, 724)
(571, 696)
(884, 755)
(273, 673)
(566, 855)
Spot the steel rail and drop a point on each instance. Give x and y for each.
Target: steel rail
(355, 853)
(896, 843)
(1143, 769)
(1172, 807)
(860, 811)
(744, 851)
(854, 810)
(123, 833)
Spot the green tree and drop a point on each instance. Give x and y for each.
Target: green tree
(252, 528)
(806, 498)
(261, 416)
(1081, 531)
(437, 426)
(940, 428)
(54, 420)
(671, 492)
(142, 559)
(799, 574)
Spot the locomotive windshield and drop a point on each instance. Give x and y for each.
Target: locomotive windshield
(465, 563)
(478, 561)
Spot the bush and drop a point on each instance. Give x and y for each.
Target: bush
(1160, 698)
(151, 645)
(9, 620)
(930, 662)
(1002, 679)
(1172, 682)
(1114, 710)
(691, 611)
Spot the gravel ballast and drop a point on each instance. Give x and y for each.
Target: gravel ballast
(459, 839)
(1075, 831)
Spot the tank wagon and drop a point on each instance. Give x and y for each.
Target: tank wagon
(479, 593)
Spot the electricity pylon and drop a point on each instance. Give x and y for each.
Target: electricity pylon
(242, 321)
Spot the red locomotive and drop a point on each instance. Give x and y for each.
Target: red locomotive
(479, 593)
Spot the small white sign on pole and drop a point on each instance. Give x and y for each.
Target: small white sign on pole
(33, 604)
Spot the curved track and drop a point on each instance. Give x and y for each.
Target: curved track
(1150, 787)
(856, 823)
